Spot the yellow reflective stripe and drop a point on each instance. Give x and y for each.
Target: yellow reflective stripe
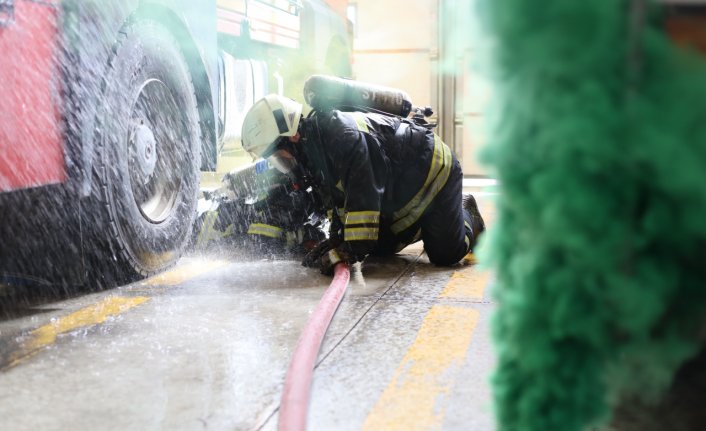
(360, 122)
(205, 234)
(361, 234)
(293, 238)
(436, 179)
(265, 230)
(333, 257)
(208, 231)
(341, 211)
(339, 186)
(361, 217)
(433, 172)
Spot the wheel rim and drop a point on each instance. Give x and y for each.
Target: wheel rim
(154, 142)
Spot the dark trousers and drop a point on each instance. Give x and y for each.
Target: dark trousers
(445, 227)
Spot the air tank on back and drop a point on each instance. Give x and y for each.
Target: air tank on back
(323, 93)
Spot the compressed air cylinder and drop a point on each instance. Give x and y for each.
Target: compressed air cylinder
(323, 92)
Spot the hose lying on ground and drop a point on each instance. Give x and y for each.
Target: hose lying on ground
(297, 385)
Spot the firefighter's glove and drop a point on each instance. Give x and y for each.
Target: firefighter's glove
(329, 260)
(325, 256)
(313, 258)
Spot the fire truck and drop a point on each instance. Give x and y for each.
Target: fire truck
(112, 111)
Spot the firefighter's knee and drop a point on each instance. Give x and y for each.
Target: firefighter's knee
(446, 257)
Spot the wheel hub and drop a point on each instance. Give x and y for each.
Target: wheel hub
(155, 162)
(145, 146)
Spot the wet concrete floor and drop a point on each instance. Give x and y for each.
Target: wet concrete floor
(207, 345)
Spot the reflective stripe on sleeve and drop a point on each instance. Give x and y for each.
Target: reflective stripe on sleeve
(361, 226)
(361, 234)
(362, 217)
(436, 179)
(265, 230)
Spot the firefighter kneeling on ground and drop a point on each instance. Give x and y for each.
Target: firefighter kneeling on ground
(388, 181)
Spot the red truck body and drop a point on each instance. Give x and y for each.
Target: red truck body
(85, 133)
(30, 121)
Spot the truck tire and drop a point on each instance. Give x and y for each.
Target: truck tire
(147, 159)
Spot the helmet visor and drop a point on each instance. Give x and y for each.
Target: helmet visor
(283, 161)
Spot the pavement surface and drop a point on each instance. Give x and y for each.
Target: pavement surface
(207, 345)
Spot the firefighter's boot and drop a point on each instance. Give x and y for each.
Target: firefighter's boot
(475, 220)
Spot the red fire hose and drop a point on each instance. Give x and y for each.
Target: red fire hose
(294, 405)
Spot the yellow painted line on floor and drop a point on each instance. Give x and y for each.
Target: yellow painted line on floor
(184, 273)
(98, 313)
(470, 259)
(416, 397)
(468, 283)
(86, 317)
(414, 400)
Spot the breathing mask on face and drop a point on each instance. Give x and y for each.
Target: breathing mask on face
(283, 158)
(294, 159)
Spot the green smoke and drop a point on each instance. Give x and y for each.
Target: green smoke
(599, 143)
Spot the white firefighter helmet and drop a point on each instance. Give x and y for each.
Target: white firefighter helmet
(268, 119)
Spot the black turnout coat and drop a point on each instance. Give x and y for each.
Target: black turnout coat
(397, 182)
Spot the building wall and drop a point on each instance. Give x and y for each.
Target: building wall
(468, 51)
(431, 49)
(393, 44)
